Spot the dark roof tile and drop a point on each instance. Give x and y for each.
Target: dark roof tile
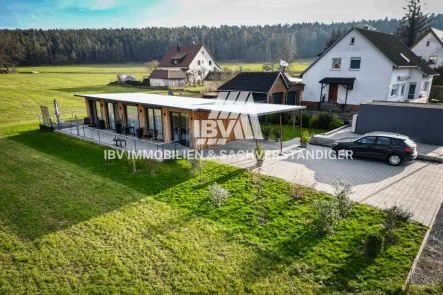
(260, 82)
(395, 50)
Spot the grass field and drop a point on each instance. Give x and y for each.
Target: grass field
(72, 224)
(139, 70)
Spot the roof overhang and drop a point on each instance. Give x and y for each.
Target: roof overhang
(240, 106)
(338, 80)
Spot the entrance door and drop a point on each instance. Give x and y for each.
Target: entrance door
(411, 93)
(333, 92)
(180, 129)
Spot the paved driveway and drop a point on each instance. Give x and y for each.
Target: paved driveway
(417, 186)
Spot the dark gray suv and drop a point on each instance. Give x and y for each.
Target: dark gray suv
(394, 148)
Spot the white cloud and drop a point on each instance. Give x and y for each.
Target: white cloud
(253, 12)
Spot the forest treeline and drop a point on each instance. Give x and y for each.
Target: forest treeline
(266, 43)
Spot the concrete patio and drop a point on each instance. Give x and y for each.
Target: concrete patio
(106, 137)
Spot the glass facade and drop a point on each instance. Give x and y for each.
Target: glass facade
(112, 114)
(154, 121)
(132, 116)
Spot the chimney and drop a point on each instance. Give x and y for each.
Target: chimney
(178, 47)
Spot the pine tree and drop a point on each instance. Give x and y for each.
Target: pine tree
(413, 24)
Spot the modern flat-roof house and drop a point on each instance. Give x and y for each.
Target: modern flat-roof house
(266, 87)
(173, 118)
(194, 60)
(365, 65)
(430, 47)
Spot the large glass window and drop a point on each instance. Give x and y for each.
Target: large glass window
(132, 116)
(154, 121)
(112, 114)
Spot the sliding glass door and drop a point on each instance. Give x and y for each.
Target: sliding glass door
(154, 121)
(180, 128)
(112, 114)
(132, 116)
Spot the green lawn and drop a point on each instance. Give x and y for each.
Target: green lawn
(297, 66)
(139, 70)
(72, 224)
(69, 223)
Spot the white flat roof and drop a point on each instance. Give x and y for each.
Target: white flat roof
(195, 104)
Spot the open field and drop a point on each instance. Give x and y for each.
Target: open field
(139, 70)
(70, 224)
(295, 67)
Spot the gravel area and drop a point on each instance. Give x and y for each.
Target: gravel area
(429, 270)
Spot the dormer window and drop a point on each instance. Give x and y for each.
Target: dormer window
(174, 61)
(352, 40)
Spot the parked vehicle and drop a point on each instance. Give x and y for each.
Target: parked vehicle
(394, 148)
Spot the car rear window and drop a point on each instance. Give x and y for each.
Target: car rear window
(409, 142)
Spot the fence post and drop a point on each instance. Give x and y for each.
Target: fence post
(135, 144)
(78, 131)
(84, 135)
(99, 135)
(92, 137)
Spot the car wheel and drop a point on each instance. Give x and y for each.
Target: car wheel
(395, 159)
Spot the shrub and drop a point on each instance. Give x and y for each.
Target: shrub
(259, 153)
(395, 216)
(219, 194)
(324, 119)
(314, 122)
(276, 131)
(275, 118)
(342, 191)
(327, 217)
(305, 137)
(297, 192)
(373, 245)
(306, 117)
(196, 163)
(266, 130)
(336, 122)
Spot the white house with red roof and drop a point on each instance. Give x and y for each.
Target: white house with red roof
(195, 61)
(430, 47)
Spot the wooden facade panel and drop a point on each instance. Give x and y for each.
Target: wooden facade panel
(121, 113)
(142, 118)
(104, 111)
(88, 109)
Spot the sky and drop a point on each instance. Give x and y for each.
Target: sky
(64, 14)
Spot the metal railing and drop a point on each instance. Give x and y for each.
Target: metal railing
(109, 137)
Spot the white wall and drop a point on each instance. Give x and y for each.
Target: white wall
(166, 82)
(372, 80)
(434, 49)
(204, 57)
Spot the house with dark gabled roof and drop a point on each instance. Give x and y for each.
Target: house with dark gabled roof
(429, 47)
(365, 65)
(194, 60)
(266, 87)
